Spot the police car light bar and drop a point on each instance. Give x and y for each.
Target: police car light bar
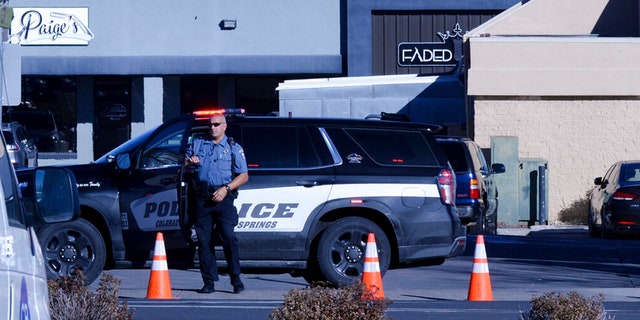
(212, 112)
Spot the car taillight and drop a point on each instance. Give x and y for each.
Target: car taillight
(13, 147)
(447, 186)
(474, 189)
(626, 196)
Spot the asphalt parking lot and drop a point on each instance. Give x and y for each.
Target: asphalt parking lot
(186, 282)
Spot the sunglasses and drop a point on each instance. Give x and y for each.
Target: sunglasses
(216, 124)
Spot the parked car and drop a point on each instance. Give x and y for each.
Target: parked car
(614, 203)
(42, 128)
(22, 150)
(47, 195)
(317, 188)
(476, 191)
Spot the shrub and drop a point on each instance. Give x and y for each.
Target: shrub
(572, 306)
(69, 298)
(322, 301)
(577, 212)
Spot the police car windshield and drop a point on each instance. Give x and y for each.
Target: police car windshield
(126, 147)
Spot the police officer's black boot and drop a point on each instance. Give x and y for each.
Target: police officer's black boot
(238, 286)
(209, 287)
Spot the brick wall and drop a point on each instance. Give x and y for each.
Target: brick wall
(579, 138)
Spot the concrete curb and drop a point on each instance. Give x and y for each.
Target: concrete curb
(536, 229)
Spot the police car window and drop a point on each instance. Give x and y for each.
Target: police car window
(282, 147)
(394, 147)
(9, 188)
(164, 149)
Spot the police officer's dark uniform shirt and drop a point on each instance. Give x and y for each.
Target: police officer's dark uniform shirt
(215, 160)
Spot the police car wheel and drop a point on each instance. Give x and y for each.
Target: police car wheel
(342, 246)
(71, 246)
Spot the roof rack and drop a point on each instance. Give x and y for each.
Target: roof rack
(387, 116)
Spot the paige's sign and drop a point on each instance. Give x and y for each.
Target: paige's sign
(50, 26)
(432, 54)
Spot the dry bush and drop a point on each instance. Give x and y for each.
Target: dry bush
(572, 306)
(324, 302)
(69, 298)
(577, 212)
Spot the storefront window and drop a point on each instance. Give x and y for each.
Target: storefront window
(112, 110)
(49, 112)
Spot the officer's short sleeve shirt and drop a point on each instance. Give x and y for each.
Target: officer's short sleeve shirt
(219, 163)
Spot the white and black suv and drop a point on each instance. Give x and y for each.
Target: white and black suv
(316, 188)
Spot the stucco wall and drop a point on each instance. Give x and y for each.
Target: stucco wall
(165, 37)
(580, 138)
(554, 66)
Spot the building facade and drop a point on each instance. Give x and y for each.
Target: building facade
(567, 89)
(109, 71)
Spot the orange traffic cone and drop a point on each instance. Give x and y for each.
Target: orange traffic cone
(159, 283)
(371, 277)
(480, 284)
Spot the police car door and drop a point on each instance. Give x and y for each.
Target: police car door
(148, 190)
(290, 177)
(22, 275)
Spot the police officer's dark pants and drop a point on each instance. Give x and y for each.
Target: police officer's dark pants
(216, 221)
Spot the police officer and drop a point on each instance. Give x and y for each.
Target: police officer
(222, 169)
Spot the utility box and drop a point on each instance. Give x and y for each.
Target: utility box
(533, 191)
(522, 188)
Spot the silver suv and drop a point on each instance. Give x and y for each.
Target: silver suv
(22, 151)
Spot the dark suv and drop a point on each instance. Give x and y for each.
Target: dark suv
(476, 192)
(317, 188)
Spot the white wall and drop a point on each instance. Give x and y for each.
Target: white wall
(580, 138)
(571, 98)
(190, 28)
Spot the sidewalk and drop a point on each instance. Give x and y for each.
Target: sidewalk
(537, 229)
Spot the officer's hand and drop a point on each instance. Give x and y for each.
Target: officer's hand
(219, 194)
(193, 159)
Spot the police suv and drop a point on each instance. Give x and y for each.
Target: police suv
(46, 195)
(316, 188)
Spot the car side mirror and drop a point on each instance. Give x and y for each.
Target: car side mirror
(597, 181)
(50, 195)
(123, 161)
(57, 197)
(498, 168)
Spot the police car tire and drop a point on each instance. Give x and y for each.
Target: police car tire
(80, 241)
(348, 237)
